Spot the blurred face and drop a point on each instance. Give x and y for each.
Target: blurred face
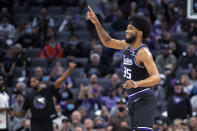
(43, 12)
(131, 34)
(184, 79)
(19, 87)
(193, 121)
(88, 124)
(178, 89)
(76, 117)
(191, 50)
(59, 70)
(115, 79)
(58, 108)
(38, 72)
(121, 107)
(1, 81)
(20, 98)
(93, 79)
(95, 60)
(34, 83)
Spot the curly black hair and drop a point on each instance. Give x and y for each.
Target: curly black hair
(142, 24)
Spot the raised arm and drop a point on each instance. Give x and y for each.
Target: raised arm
(63, 77)
(104, 37)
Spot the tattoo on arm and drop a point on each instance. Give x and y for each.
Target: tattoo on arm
(102, 34)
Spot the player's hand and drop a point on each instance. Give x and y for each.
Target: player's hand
(72, 65)
(130, 84)
(91, 16)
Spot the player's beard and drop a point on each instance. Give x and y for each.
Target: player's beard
(132, 39)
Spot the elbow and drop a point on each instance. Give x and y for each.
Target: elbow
(107, 42)
(158, 79)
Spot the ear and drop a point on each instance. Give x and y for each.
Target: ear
(140, 33)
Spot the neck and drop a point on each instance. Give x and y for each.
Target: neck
(136, 44)
(121, 114)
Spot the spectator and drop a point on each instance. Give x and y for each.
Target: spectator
(66, 95)
(94, 66)
(38, 73)
(20, 88)
(88, 124)
(187, 85)
(6, 28)
(5, 12)
(20, 30)
(193, 76)
(105, 60)
(94, 84)
(76, 121)
(41, 32)
(187, 58)
(89, 97)
(74, 48)
(28, 39)
(71, 106)
(175, 48)
(177, 125)
(26, 125)
(186, 125)
(165, 58)
(120, 24)
(20, 55)
(65, 125)
(120, 120)
(111, 99)
(60, 116)
(178, 103)
(115, 81)
(160, 95)
(193, 121)
(4, 105)
(55, 127)
(105, 115)
(45, 16)
(8, 65)
(52, 49)
(99, 124)
(17, 107)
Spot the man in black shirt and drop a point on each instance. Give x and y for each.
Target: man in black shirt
(140, 71)
(41, 103)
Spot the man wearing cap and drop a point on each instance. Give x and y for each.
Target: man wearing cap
(140, 71)
(120, 120)
(178, 103)
(166, 58)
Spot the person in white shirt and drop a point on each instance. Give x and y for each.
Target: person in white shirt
(4, 106)
(6, 28)
(60, 117)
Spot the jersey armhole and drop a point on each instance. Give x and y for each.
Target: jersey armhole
(136, 56)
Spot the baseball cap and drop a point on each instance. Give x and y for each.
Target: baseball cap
(121, 101)
(178, 82)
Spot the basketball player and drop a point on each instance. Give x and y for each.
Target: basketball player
(140, 71)
(40, 102)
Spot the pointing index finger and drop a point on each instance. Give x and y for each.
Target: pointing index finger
(90, 9)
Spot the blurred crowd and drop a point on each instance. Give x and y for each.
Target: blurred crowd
(39, 37)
